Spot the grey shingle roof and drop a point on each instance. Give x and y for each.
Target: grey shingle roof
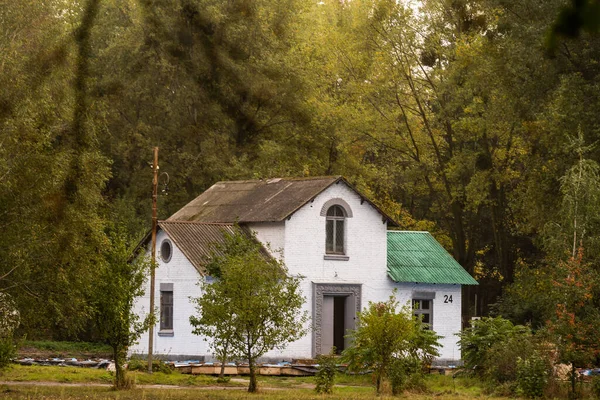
(270, 200)
(198, 241)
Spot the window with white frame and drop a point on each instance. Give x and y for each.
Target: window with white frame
(423, 308)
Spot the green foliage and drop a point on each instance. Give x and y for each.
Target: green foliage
(532, 375)
(510, 358)
(477, 342)
(253, 307)
(137, 364)
(407, 374)
(325, 376)
(501, 360)
(8, 351)
(386, 339)
(121, 281)
(596, 386)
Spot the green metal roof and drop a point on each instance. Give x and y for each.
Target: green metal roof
(418, 257)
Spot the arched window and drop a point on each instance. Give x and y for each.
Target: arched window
(334, 228)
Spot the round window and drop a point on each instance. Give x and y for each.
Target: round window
(166, 250)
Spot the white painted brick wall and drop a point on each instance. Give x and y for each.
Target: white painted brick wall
(184, 277)
(302, 239)
(272, 235)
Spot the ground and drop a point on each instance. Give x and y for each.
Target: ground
(32, 382)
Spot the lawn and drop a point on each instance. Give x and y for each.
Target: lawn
(83, 383)
(20, 373)
(49, 392)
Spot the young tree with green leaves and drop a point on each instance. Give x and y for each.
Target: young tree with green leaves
(120, 282)
(249, 305)
(384, 335)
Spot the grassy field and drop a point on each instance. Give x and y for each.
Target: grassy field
(35, 382)
(19, 373)
(49, 392)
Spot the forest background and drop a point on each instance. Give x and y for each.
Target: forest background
(460, 117)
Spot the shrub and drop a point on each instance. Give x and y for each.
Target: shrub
(406, 374)
(596, 387)
(325, 377)
(137, 364)
(389, 340)
(532, 375)
(500, 363)
(381, 333)
(8, 351)
(477, 341)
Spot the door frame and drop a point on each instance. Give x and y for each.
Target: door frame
(330, 289)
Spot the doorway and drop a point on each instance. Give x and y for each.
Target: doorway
(335, 312)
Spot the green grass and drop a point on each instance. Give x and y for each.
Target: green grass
(204, 387)
(340, 379)
(464, 386)
(38, 392)
(20, 373)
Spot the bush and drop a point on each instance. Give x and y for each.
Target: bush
(385, 334)
(477, 341)
(500, 363)
(406, 374)
(532, 375)
(596, 387)
(325, 377)
(137, 364)
(8, 351)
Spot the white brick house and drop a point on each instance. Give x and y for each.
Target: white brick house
(325, 231)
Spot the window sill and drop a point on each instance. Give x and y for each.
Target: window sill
(166, 332)
(337, 257)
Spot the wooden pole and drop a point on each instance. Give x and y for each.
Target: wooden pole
(153, 255)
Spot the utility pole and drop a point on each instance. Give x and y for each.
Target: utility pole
(153, 256)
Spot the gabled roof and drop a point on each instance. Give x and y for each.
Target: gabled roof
(418, 257)
(270, 200)
(198, 241)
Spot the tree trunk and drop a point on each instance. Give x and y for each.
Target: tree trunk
(222, 372)
(573, 375)
(253, 387)
(119, 372)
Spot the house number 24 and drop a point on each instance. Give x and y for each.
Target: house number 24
(447, 299)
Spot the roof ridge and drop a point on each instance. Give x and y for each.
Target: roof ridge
(175, 221)
(286, 178)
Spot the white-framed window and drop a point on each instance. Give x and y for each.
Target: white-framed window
(335, 230)
(423, 308)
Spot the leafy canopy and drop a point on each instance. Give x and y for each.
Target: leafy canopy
(252, 307)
